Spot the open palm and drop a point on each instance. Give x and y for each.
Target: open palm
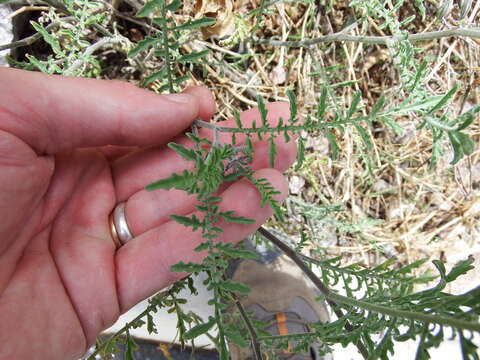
(70, 150)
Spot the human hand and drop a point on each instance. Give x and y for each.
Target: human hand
(70, 150)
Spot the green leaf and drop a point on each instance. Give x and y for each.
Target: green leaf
(49, 39)
(130, 347)
(142, 45)
(444, 8)
(162, 22)
(377, 107)
(468, 347)
(262, 109)
(236, 337)
(248, 144)
(332, 140)
(416, 106)
(199, 329)
(155, 76)
(192, 221)
(191, 286)
(151, 328)
(238, 120)
(178, 181)
(193, 57)
(150, 7)
(421, 7)
(443, 100)
(322, 103)
(195, 24)
(365, 136)
(293, 106)
(203, 246)
(462, 145)
(354, 104)
(228, 216)
(38, 64)
(407, 20)
(419, 75)
(467, 118)
(460, 268)
(468, 146)
(174, 5)
(187, 154)
(234, 286)
(272, 151)
(300, 152)
(393, 124)
(198, 140)
(190, 267)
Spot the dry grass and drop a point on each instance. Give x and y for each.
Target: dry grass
(400, 207)
(420, 212)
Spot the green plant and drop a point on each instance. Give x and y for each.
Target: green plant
(374, 306)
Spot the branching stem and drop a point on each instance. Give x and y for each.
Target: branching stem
(127, 326)
(416, 316)
(380, 40)
(334, 299)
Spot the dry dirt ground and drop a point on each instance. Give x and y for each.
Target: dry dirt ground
(392, 203)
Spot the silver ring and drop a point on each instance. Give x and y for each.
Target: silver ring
(120, 229)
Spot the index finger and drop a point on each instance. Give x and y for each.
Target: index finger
(55, 113)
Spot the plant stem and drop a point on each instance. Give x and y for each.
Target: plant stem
(31, 39)
(92, 48)
(251, 330)
(314, 278)
(144, 313)
(334, 299)
(127, 326)
(417, 316)
(166, 49)
(381, 40)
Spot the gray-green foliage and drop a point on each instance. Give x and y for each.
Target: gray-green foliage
(69, 34)
(383, 302)
(166, 43)
(376, 299)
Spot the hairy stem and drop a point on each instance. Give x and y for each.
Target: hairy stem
(167, 50)
(416, 316)
(92, 48)
(380, 40)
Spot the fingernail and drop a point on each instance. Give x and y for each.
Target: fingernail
(179, 98)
